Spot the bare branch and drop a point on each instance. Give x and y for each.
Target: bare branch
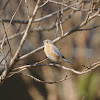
(88, 29)
(88, 69)
(44, 4)
(27, 9)
(41, 81)
(13, 15)
(40, 28)
(4, 57)
(13, 36)
(92, 67)
(13, 60)
(7, 2)
(20, 69)
(44, 17)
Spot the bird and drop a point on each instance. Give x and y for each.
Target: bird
(52, 52)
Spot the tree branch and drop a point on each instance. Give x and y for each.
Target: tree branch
(20, 69)
(13, 60)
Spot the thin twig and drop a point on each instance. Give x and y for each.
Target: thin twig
(27, 9)
(13, 36)
(4, 57)
(13, 15)
(63, 4)
(88, 29)
(43, 4)
(5, 6)
(5, 37)
(28, 66)
(41, 81)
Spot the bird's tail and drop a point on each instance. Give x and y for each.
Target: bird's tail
(67, 60)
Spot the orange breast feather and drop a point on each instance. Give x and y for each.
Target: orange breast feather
(53, 56)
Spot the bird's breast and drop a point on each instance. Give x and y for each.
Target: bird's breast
(51, 54)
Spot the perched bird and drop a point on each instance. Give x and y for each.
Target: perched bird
(52, 51)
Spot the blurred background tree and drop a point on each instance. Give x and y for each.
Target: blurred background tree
(54, 19)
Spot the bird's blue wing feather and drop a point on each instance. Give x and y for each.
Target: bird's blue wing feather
(67, 61)
(59, 53)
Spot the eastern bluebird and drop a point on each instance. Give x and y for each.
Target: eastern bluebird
(52, 52)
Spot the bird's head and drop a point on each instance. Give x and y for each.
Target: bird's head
(47, 42)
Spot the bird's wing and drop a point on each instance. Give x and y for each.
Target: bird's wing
(57, 51)
(67, 60)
